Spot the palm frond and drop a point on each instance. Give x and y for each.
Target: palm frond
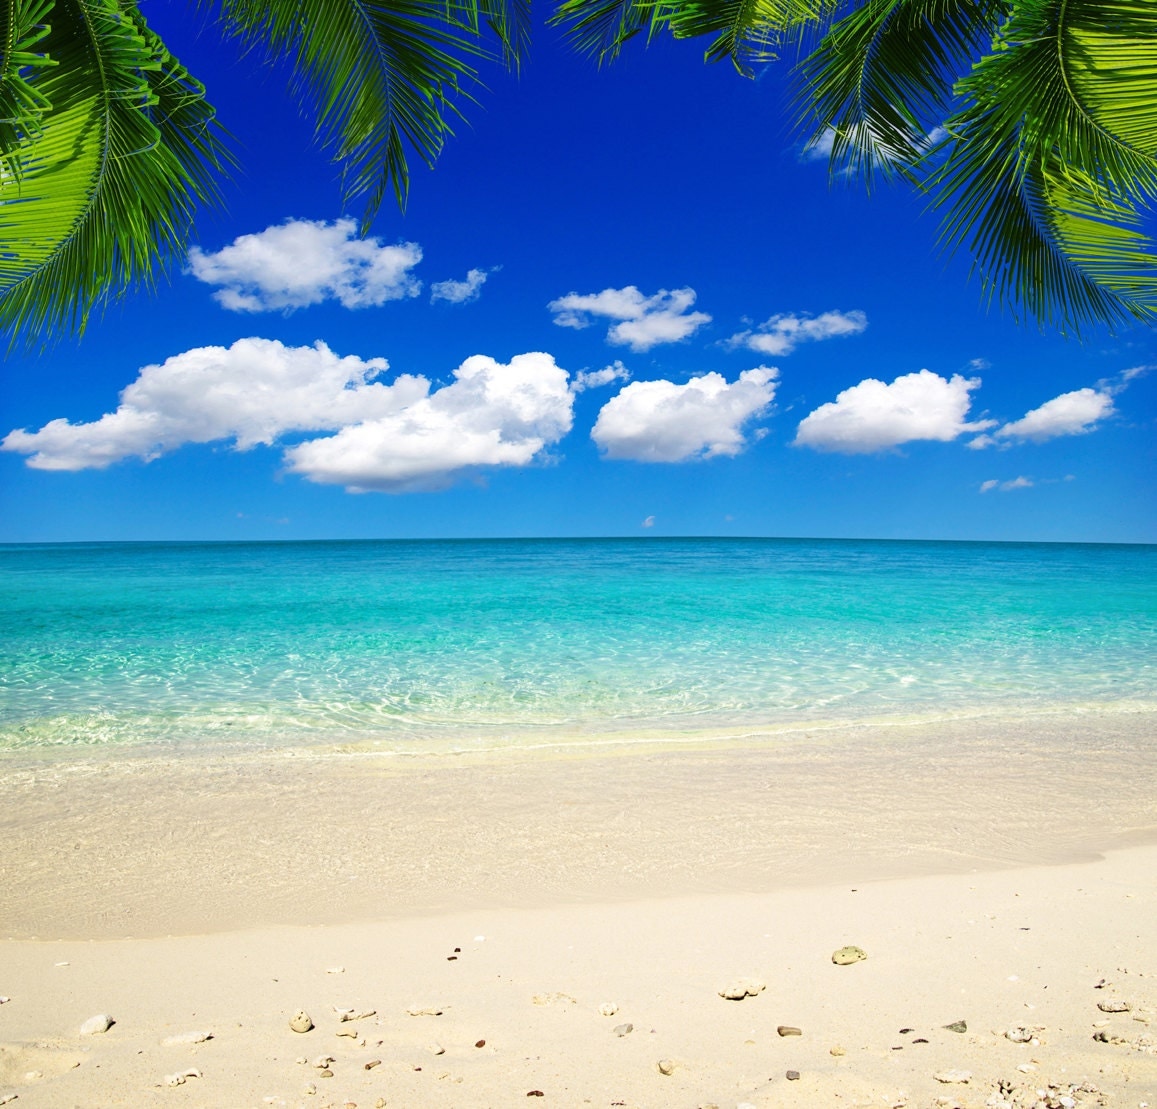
(1109, 53)
(747, 32)
(109, 183)
(23, 27)
(1046, 194)
(881, 79)
(384, 75)
(601, 28)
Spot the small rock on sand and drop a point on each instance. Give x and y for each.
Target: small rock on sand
(425, 1010)
(666, 1066)
(1019, 1035)
(186, 1038)
(300, 1021)
(437, 1049)
(102, 1022)
(354, 1014)
(956, 1026)
(792, 1076)
(624, 1029)
(948, 1077)
(741, 988)
(181, 1077)
(1114, 1006)
(848, 955)
(608, 1009)
(837, 1051)
(788, 1030)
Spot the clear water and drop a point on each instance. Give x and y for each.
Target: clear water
(440, 646)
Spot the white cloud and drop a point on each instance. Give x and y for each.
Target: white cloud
(491, 415)
(873, 416)
(1006, 486)
(1074, 413)
(659, 421)
(643, 321)
(392, 437)
(649, 522)
(302, 262)
(592, 379)
(459, 292)
(781, 334)
(252, 392)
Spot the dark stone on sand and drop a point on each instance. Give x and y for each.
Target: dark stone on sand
(957, 1026)
(789, 1030)
(793, 1076)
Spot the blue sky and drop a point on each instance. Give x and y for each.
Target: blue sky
(778, 356)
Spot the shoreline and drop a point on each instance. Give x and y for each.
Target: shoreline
(142, 844)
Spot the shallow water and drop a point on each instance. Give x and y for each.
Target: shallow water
(473, 645)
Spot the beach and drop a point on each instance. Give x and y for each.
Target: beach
(686, 823)
(990, 875)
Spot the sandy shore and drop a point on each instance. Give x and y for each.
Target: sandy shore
(1002, 875)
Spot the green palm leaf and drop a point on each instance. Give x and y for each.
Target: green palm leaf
(22, 106)
(748, 32)
(881, 78)
(107, 184)
(384, 76)
(602, 27)
(1049, 167)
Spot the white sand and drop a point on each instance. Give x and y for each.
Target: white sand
(646, 880)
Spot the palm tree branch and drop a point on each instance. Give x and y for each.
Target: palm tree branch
(881, 78)
(1047, 196)
(110, 183)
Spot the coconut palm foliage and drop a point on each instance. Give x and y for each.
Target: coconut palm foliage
(1032, 124)
(108, 145)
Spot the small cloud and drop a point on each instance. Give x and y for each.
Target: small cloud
(649, 522)
(781, 334)
(1075, 413)
(978, 364)
(874, 416)
(643, 321)
(460, 292)
(820, 148)
(659, 421)
(1006, 486)
(592, 379)
(303, 262)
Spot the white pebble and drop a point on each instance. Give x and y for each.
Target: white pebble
(608, 1009)
(179, 1078)
(741, 988)
(102, 1022)
(335, 970)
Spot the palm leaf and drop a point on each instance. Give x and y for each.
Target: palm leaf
(385, 77)
(601, 28)
(1047, 194)
(108, 185)
(881, 78)
(748, 32)
(22, 106)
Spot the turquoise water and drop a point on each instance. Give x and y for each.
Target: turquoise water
(439, 646)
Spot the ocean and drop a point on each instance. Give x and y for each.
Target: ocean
(418, 647)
